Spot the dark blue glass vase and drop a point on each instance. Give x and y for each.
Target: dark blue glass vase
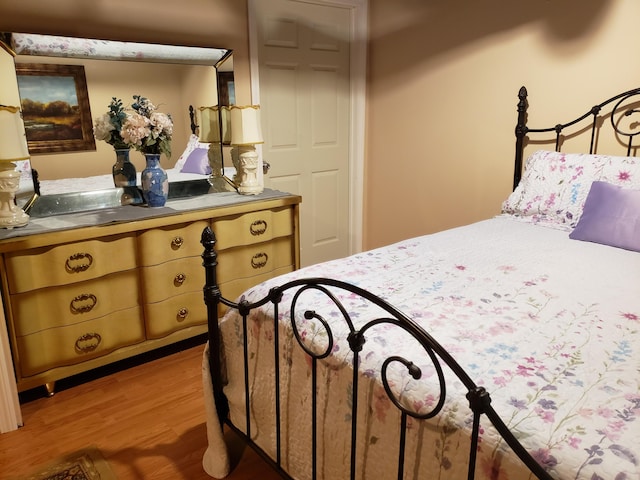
(155, 182)
(124, 172)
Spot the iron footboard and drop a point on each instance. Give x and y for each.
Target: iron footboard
(478, 398)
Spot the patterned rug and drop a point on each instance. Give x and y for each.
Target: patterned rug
(87, 464)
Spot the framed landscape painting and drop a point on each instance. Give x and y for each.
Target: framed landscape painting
(55, 107)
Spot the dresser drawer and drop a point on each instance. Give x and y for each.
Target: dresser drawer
(253, 227)
(179, 312)
(160, 282)
(78, 343)
(169, 243)
(234, 288)
(71, 262)
(252, 260)
(38, 310)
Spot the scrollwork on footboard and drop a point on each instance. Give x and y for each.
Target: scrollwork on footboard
(354, 334)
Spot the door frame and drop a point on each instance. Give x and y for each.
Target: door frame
(359, 10)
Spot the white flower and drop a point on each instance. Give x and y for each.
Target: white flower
(162, 124)
(103, 127)
(107, 127)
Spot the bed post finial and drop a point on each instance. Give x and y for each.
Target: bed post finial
(521, 132)
(192, 120)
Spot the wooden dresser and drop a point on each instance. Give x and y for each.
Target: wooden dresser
(84, 290)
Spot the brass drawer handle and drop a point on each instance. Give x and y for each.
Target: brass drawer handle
(177, 242)
(79, 304)
(179, 279)
(183, 313)
(84, 261)
(88, 342)
(258, 228)
(259, 260)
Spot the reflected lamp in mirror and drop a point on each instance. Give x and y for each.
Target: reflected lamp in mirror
(215, 128)
(246, 133)
(13, 148)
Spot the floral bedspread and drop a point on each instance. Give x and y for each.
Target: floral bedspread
(548, 325)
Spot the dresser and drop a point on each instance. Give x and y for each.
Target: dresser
(84, 290)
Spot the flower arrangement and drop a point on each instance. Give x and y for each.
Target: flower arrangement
(108, 127)
(146, 129)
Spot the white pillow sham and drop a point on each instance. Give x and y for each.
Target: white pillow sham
(555, 185)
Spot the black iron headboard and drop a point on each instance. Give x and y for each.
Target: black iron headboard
(596, 116)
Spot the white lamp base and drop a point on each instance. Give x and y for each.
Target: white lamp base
(248, 162)
(10, 214)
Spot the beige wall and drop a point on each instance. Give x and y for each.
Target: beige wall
(443, 84)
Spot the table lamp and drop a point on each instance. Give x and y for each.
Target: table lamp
(246, 133)
(13, 148)
(215, 129)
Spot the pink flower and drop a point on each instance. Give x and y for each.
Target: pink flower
(549, 202)
(585, 412)
(623, 176)
(605, 412)
(500, 381)
(547, 416)
(524, 371)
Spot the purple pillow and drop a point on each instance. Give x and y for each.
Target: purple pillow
(197, 162)
(611, 216)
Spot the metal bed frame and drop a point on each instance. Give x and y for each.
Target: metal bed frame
(596, 116)
(477, 396)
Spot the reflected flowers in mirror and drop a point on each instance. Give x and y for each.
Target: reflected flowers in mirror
(108, 127)
(146, 129)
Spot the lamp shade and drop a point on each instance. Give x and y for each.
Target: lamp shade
(209, 124)
(211, 119)
(225, 117)
(13, 142)
(245, 125)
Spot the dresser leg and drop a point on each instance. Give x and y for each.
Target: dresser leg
(51, 388)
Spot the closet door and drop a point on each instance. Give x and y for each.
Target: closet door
(303, 54)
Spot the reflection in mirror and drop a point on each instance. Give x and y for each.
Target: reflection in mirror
(173, 77)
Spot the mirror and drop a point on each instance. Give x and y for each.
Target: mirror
(174, 78)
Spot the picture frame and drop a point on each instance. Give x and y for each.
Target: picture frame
(55, 107)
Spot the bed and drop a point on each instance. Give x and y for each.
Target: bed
(504, 349)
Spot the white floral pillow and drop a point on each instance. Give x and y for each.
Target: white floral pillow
(555, 185)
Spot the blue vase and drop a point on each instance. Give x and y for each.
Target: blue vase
(124, 172)
(155, 182)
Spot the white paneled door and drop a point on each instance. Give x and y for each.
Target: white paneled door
(303, 57)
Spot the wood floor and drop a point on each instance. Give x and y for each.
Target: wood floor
(147, 420)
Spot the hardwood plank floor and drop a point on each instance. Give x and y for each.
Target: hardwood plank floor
(148, 420)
